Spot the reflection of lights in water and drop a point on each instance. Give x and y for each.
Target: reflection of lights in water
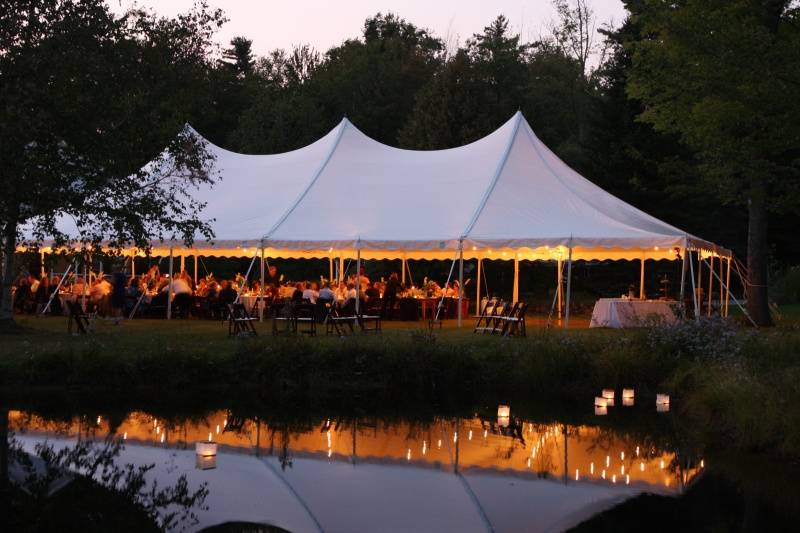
(637, 451)
(608, 461)
(666, 482)
(702, 463)
(622, 470)
(162, 437)
(662, 464)
(98, 420)
(439, 444)
(591, 468)
(470, 435)
(621, 456)
(641, 466)
(328, 434)
(209, 436)
(603, 474)
(424, 447)
(529, 462)
(155, 422)
(614, 478)
(125, 436)
(455, 436)
(408, 455)
(485, 433)
(577, 474)
(225, 423)
(217, 429)
(627, 479)
(329, 452)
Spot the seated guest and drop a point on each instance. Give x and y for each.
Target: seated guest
(351, 292)
(98, 295)
(363, 279)
(341, 291)
(78, 287)
(373, 292)
(179, 286)
(326, 293)
(297, 295)
(311, 293)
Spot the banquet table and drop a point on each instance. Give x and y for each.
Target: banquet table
(627, 313)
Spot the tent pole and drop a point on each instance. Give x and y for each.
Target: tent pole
(54, 294)
(744, 311)
(641, 279)
(246, 277)
(478, 289)
(569, 285)
(183, 262)
(515, 295)
(261, 288)
(341, 268)
(460, 279)
(721, 295)
(728, 292)
(169, 291)
(694, 288)
(710, 283)
(683, 278)
(196, 257)
(42, 270)
(133, 264)
(699, 279)
(83, 293)
(403, 268)
(358, 277)
(560, 284)
(330, 268)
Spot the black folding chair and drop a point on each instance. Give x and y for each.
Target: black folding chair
(492, 310)
(515, 324)
(84, 322)
(240, 323)
(337, 324)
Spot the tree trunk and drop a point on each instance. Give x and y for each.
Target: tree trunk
(9, 247)
(757, 299)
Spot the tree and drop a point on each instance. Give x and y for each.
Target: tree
(239, 57)
(719, 73)
(88, 99)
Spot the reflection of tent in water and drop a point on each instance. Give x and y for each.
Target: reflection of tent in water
(321, 493)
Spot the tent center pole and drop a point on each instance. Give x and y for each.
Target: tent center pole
(683, 280)
(403, 270)
(261, 304)
(358, 278)
(196, 257)
(559, 285)
(478, 289)
(460, 280)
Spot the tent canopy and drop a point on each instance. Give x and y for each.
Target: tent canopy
(503, 196)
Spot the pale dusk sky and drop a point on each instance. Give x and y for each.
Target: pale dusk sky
(281, 24)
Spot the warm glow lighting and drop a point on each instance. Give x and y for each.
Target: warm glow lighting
(485, 433)
(424, 447)
(603, 474)
(627, 480)
(455, 436)
(470, 435)
(600, 410)
(162, 437)
(577, 474)
(702, 463)
(439, 444)
(621, 456)
(608, 394)
(503, 415)
(608, 461)
(622, 470)
(330, 452)
(408, 455)
(205, 449)
(529, 462)
(125, 436)
(662, 464)
(614, 478)
(225, 423)
(98, 420)
(662, 398)
(600, 401)
(637, 451)
(591, 468)
(474, 248)
(641, 466)
(209, 436)
(217, 429)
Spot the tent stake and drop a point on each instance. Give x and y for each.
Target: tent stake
(569, 285)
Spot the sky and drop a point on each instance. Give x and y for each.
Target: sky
(322, 23)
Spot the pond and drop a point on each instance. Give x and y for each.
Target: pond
(475, 471)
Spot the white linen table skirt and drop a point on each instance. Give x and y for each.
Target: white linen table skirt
(628, 313)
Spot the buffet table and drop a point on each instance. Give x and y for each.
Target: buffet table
(628, 313)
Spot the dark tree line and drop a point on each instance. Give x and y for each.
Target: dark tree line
(687, 110)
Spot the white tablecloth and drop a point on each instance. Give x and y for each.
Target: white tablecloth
(624, 313)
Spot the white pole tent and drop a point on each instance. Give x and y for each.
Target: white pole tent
(505, 196)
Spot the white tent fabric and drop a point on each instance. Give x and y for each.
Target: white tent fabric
(506, 192)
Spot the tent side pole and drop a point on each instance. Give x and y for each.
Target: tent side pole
(710, 283)
(261, 289)
(330, 268)
(133, 264)
(196, 257)
(183, 262)
(83, 293)
(560, 285)
(246, 277)
(641, 279)
(460, 280)
(699, 278)
(683, 279)
(478, 290)
(515, 294)
(728, 292)
(694, 288)
(169, 290)
(403, 270)
(54, 293)
(569, 287)
(721, 292)
(341, 268)
(42, 269)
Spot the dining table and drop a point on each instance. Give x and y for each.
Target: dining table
(632, 312)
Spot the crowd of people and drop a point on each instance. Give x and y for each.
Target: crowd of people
(119, 295)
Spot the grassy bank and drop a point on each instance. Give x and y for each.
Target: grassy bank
(737, 387)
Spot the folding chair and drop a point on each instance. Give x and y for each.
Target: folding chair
(514, 322)
(485, 310)
(240, 323)
(489, 317)
(338, 324)
(84, 322)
